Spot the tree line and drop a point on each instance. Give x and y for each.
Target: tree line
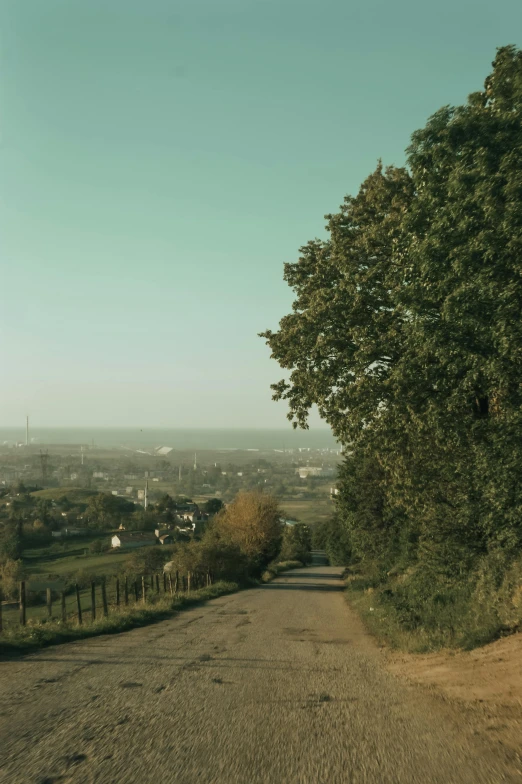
(238, 542)
(406, 333)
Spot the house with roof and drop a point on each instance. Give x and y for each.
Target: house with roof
(132, 539)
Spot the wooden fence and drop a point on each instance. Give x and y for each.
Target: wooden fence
(101, 598)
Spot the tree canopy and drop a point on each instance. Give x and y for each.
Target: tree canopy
(406, 334)
(252, 522)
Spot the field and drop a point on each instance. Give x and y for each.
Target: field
(60, 561)
(74, 494)
(70, 556)
(309, 511)
(38, 612)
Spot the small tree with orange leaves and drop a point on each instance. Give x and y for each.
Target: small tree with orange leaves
(253, 522)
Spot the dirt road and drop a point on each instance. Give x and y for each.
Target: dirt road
(274, 685)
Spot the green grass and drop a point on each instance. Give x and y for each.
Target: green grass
(436, 625)
(78, 495)
(24, 639)
(36, 613)
(72, 560)
(384, 626)
(274, 569)
(63, 562)
(309, 511)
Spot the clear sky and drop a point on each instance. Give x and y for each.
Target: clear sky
(161, 159)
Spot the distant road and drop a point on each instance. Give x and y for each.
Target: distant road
(274, 685)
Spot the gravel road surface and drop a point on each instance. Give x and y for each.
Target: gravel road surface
(278, 684)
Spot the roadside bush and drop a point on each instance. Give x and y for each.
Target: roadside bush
(11, 572)
(212, 555)
(297, 543)
(82, 578)
(147, 561)
(333, 537)
(252, 522)
(274, 569)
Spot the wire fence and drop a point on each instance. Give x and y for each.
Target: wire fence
(40, 603)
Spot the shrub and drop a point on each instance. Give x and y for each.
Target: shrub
(252, 522)
(11, 572)
(297, 543)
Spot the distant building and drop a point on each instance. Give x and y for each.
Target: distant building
(69, 532)
(131, 540)
(194, 516)
(187, 530)
(307, 471)
(163, 450)
(159, 532)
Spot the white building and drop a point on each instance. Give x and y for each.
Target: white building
(129, 541)
(307, 471)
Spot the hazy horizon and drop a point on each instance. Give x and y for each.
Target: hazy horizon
(160, 162)
(176, 438)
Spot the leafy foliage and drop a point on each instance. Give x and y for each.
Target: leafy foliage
(297, 543)
(406, 334)
(252, 522)
(11, 572)
(106, 511)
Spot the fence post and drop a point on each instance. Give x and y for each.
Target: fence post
(188, 582)
(117, 592)
(49, 598)
(78, 604)
(176, 584)
(157, 583)
(152, 582)
(136, 591)
(104, 598)
(126, 591)
(22, 603)
(143, 589)
(0, 608)
(93, 601)
(164, 582)
(64, 610)
(170, 584)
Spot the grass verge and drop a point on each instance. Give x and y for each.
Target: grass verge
(401, 621)
(31, 638)
(274, 569)
(382, 624)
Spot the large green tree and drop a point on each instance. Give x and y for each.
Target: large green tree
(344, 335)
(406, 334)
